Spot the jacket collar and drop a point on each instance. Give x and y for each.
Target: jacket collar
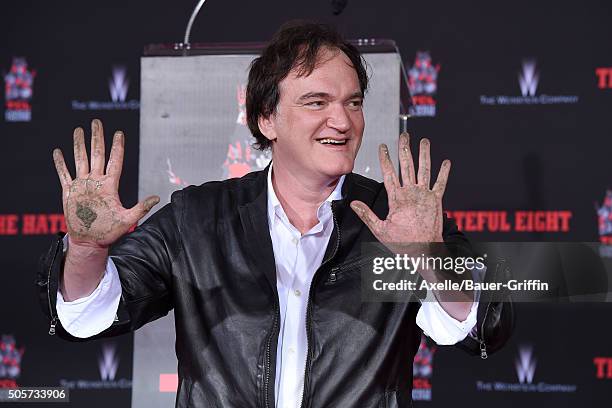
(355, 187)
(254, 219)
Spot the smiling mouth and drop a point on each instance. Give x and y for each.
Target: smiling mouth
(332, 142)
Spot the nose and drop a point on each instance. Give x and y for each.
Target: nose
(338, 118)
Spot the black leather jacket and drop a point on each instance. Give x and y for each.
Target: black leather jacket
(208, 255)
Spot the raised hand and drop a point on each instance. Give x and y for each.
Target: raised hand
(93, 211)
(415, 210)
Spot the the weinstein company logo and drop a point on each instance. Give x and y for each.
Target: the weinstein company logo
(18, 84)
(525, 365)
(118, 84)
(118, 87)
(108, 363)
(528, 81)
(525, 368)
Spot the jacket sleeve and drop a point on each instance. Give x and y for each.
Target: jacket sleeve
(496, 316)
(144, 260)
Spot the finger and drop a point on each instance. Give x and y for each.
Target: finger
(406, 161)
(367, 216)
(440, 185)
(80, 154)
(115, 160)
(424, 176)
(60, 167)
(141, 209)
(438, 225)
(386, 165)
(97, 147)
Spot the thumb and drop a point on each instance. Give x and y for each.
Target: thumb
(141, 209)
(366, 215)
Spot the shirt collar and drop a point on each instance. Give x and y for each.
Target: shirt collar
(274, 204)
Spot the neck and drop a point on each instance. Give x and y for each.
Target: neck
(301, 196)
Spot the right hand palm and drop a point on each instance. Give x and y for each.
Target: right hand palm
(92, 208)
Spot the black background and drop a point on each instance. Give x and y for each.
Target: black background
(554, 157)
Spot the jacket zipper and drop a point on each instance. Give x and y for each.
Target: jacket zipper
(53, 317)
(309, 305)
(483, 345)
(336, 272)
(332, 275)
(269, 358)
(481, 337)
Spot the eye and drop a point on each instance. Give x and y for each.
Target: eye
(355, 104)
(318, 104)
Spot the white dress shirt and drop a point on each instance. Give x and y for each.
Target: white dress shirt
(297, 257)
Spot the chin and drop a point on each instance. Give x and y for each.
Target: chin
(339, 169)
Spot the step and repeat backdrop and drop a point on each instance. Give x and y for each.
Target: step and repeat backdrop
(518, 95)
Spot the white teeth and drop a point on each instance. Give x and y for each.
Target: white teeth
(332, 141)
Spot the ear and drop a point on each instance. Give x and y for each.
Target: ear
(266, 127)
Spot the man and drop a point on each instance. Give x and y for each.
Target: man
(263, 271)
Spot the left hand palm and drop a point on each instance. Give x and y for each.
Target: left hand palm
(415, 211)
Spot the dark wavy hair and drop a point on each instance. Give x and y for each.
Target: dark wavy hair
(296, 45)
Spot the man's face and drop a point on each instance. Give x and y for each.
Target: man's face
(318, 124)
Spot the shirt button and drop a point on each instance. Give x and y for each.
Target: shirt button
(297, 292)
(291, 350)
(295, 240)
